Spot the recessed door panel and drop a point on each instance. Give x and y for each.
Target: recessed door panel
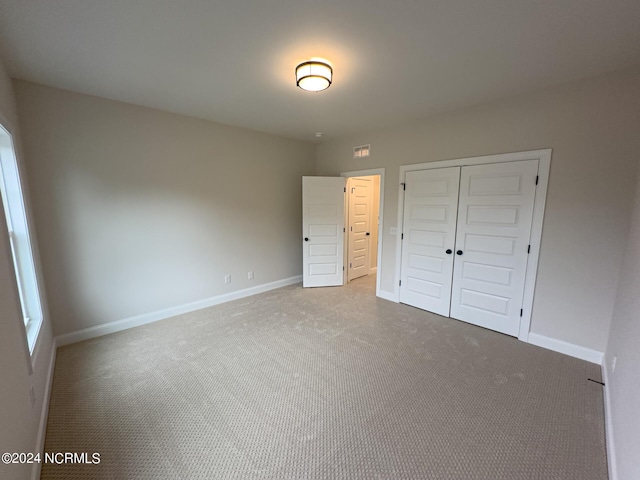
(487, 273)
(475, 300)
(426, 238)
(426, 263)
(319, 250)
(492, 215)
(499, 184)
(489, 244)
(322, 210)
(322, 269)
(320, 230)
(429, 228)
(430, 214)
(424, 288)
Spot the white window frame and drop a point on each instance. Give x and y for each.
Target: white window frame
(22, 254)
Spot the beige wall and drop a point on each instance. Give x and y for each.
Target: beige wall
(19, 421)
(624, 343)
(592, 127)
(140, 210)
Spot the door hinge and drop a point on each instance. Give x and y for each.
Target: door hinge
(343, 268)
(402, 236)
(404, 186)
(344, 229)
(529, 249)
(537, 178)
(351, 265)
(520, 312)
(345, 189)
(400, 283)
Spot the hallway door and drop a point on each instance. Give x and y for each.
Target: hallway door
(359, 190)
(323, 231)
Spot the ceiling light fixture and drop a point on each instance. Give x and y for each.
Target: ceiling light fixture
(314, 75)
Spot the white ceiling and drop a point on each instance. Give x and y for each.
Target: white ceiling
(394, 61)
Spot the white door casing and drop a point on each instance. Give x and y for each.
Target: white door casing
(359, 192)
(380, 172)
(495, 213)
(428, 238)
(323, 231)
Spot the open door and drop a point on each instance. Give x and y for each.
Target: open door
(359, 191)
(323, 231)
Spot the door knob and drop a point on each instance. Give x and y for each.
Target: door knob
(459, 252)
(368, 233)
(306, 239)
(449, 251)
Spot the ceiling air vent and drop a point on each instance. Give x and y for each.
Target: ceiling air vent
(361, 151)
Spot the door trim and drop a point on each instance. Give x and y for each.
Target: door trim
(544, 166)
(366, 173)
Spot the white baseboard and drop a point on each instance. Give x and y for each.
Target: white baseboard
(570, 349)
(388, 296)
(44, 414)
(119, 325)
(608, 424)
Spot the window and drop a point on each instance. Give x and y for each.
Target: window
(14, 210)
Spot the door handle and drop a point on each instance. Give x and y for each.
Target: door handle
(306, 239)
(459, 252)
(449, 251)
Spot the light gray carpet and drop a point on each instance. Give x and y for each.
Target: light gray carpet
(325, 383)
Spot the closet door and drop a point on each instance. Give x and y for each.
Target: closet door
(494, 224)
(429, 227)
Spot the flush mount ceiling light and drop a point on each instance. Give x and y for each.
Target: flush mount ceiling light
(314, 75)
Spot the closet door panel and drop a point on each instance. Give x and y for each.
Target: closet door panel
(430, 209)
(495, 211)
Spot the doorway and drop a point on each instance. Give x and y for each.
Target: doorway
(325, 221)
(363, 224)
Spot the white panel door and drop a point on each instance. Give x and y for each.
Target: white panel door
(429, 228)
(359, 191)
(494, 224)
(323, 231)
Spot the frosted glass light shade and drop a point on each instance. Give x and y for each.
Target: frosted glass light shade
(314, 76)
